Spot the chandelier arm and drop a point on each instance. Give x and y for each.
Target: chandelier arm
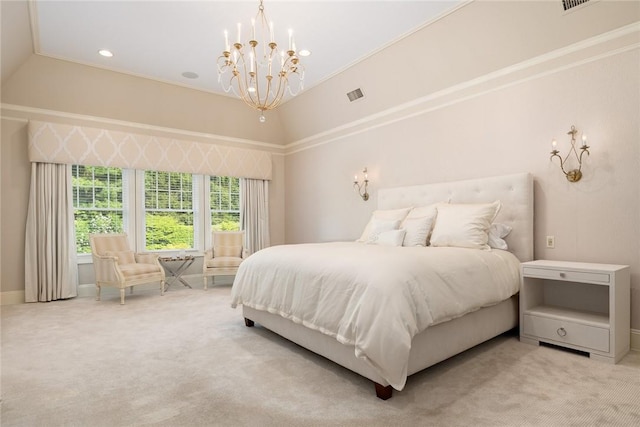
(277, 94)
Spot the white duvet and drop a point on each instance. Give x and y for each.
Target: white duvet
(376, 298)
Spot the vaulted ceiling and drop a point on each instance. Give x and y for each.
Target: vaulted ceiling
(173, 41)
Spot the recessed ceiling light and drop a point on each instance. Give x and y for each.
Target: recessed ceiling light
(190, 75)
(106, 53)
(304, 52)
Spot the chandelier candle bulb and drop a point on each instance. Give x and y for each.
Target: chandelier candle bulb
(253, 29)
(584, 140)
(226, 41)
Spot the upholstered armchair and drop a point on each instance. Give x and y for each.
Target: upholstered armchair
(224, 258)
(118, 266)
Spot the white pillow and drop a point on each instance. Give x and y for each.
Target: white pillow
(497, 232)
(391, 214)
(422, 211)
(389, 238)
(379, 226)
(464, 225)
(417, 231)
(418, 225)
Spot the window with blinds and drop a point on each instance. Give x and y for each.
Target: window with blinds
(169, 210)
(224, 199)
(98, 202)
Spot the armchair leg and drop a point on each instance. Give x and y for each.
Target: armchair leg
(205, 280)
(122, 296)
(98, 292)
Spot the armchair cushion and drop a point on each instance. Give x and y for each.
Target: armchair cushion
(136, 269)
(124, 257)
(227, 251)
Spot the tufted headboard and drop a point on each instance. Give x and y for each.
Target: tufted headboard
(514, 191)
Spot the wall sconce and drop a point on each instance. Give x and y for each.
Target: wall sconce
(573, 175)
(362, 187)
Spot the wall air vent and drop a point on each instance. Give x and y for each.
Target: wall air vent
(355, 94)
(568, 4)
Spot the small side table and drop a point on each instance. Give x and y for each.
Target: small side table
(176, 266)
(578, 305)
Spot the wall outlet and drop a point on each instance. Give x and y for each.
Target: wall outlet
(551, 242)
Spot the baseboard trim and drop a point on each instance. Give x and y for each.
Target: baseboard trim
(635, 339)
(89, 289)
(11, 297)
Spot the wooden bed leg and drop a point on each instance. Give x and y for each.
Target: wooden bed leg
(248, 322)
(383, 392)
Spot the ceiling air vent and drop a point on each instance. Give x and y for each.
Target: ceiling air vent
(355, 94)
(568, 4)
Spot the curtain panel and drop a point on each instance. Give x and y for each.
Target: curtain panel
(254, 213)
(50, 250)
(68, 144)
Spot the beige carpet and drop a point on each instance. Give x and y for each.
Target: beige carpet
(186, 359)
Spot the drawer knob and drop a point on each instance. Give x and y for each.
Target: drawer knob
(562, 332)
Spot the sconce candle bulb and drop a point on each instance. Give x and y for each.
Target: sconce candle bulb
(573, 175)
(361, 188)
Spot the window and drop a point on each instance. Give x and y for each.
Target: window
(224, 199)
(97, 202)
(169, 210)
(163, 211)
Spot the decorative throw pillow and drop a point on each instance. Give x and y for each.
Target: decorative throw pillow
(418, 225)
(390, 214)
(497, 232)
(379, 226)
(234, 251)
(464, 225)
(390, 238)
(124, 257)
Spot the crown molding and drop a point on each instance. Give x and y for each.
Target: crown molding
(460, 92)
(22, 111)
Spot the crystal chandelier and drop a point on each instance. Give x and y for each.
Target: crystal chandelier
(259, 72)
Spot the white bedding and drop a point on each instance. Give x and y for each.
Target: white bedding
(376, 298)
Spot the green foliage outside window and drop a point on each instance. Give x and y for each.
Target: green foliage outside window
(168, 210)
(97, 202)
(224, 196)
(168, 206)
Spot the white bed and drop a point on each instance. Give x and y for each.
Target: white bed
(414, 350)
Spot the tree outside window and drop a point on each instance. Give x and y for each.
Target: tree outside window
(224, 194)
(169, 210)
(97, 202)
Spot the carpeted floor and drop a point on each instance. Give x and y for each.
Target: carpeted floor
(186, 359)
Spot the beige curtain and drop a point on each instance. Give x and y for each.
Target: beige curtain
(254, 213)
(50, 250)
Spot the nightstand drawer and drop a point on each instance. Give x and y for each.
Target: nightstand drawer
(571, 276)
(563, 331)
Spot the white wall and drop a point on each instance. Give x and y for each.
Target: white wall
(499, 121)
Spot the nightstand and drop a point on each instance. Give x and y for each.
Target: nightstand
(577, 305)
